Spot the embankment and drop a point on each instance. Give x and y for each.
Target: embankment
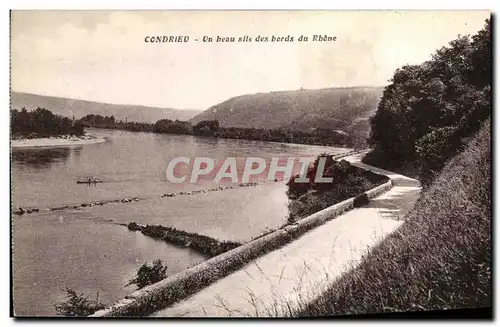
(440, 258)
(179, 286)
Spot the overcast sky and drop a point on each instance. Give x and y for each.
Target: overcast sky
(102, 56)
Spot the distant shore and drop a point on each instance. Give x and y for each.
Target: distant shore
(56, 141)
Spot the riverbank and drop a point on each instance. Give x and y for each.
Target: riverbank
(347, 181)
(441, 257)
(177, 287)
(211, 129)
(44, 178)
(56, 141)
(289, 275)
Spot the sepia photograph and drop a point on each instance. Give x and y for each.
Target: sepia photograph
(251, 164)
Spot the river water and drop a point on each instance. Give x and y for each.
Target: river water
(87, 250)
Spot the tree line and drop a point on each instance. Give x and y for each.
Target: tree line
(430, 111)
(212, 128)
(42, 123)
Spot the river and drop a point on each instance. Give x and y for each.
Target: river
(87, 250)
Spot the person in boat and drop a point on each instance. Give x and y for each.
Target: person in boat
(91, 180)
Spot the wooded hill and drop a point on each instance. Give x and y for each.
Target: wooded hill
(79, 108)
(332, 108)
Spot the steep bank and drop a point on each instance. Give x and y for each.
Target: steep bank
(439, 259)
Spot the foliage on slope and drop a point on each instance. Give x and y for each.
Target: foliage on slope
(439, 259)
(334, 108)
(429, 111)
(306, 198)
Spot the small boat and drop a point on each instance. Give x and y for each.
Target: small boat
(89, 182)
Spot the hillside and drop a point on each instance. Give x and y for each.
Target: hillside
(429, 111)
(335, 108)
(439, 259)
(79, 108)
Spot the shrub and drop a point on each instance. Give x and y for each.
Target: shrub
(361, 200)
(147, 275)
(78, 305)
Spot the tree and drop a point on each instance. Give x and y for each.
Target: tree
(42, 123)
(147, 275)
(78, 305)
(429, 110)
(206, 127)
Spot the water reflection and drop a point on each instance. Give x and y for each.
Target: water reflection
(43, 158)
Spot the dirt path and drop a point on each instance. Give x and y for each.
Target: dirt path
(298, 270)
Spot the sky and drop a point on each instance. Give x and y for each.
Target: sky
(102, 56)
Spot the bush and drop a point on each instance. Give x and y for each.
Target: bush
(147, 275)
(78, 305)
(361, 200)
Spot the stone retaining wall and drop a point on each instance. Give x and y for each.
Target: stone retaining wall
(175, 288)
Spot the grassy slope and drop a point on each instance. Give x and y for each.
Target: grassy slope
(439, 259)
(303, 109)
(79, 108)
